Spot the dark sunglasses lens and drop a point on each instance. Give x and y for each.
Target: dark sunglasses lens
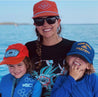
(39, 21)
(51, 20)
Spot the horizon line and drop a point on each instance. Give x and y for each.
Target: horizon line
(14, 23)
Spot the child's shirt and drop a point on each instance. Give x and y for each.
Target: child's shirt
(66, 86)
(26, 86)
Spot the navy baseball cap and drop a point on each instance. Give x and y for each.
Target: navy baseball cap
(84, 49)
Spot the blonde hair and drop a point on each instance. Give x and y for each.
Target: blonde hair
(88, 71)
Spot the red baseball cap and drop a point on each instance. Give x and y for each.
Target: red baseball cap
(15, 53)
(45, 8)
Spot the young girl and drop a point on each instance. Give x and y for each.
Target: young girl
(19, 83)
(80, 80)
(49, 50)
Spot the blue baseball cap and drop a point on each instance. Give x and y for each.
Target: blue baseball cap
(84, 49)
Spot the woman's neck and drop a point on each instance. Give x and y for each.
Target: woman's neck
(51, 41)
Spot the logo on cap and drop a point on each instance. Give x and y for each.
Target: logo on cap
(44, 5)
(84, 47)
(11, 53)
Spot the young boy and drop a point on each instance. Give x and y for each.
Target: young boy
(19, 83)
(80, 80)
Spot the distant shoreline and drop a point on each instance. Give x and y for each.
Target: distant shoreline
(16, 24)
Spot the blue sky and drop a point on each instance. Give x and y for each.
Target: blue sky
(71, 11)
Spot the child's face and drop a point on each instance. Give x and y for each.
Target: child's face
(78, 62)
(17, 70)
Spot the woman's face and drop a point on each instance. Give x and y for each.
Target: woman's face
(18, 70)
(48, 30)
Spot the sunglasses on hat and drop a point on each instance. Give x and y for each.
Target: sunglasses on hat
(49, 19)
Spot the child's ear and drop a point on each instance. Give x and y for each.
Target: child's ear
(88, 67)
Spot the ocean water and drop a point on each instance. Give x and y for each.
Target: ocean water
(10, 34)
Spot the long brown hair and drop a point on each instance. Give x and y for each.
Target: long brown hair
(28, 64)
(39, 43)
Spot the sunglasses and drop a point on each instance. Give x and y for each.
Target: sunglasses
(49, 19)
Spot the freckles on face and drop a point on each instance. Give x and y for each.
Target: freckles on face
(17, 70)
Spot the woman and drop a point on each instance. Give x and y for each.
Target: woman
(49, 50)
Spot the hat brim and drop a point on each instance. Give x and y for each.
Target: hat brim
(78, 53)
(45, 14)
(12, 61)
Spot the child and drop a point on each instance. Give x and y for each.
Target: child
(80, 80)
(19, 83)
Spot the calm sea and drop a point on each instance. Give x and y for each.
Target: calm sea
(10, 34)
